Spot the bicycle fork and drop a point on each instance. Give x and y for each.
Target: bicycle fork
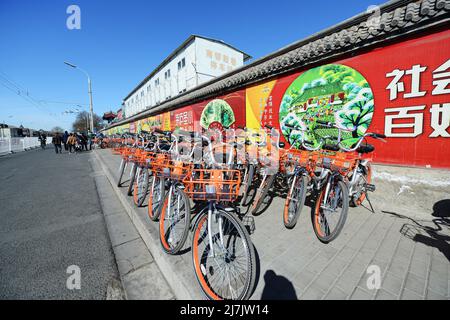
(212, 211)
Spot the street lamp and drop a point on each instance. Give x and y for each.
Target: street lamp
(90, 93)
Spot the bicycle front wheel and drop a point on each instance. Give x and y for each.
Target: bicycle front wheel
(132, 178)
(330, 214)
(174, 221)
(155, 197)
(122, 166)
(226, 267)
(140, 187)
(295, 201)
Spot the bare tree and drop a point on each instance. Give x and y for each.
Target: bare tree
(81, 123)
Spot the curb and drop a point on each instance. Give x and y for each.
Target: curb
(180, 288)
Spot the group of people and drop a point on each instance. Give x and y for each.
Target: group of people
(73, 142)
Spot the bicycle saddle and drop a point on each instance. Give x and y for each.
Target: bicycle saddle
(366, 148)
(330, 147)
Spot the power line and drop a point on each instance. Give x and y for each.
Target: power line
(19, 90)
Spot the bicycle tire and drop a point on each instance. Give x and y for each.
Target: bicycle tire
(121, 172)
(356, 202)
(261, 194)
(247, 184)
(295, 201)
(141, 187)
(250, 274)
(165, 235)
(132, 178)
(155, 197)
(316, 216)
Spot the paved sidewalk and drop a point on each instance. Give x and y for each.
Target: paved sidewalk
(140, 276)
(412, 255)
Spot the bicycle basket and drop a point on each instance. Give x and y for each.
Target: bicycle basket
(215, 185)
(339, 161)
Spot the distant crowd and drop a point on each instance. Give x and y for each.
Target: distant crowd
(73, 142)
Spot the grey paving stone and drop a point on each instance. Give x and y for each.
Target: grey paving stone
(336, 294)
(410, 295)
(303, 279)
(437, 284)
(392, 283)
(415, 284)
(432, 295)
(324, 281)
(132, 255)
(384, 295)
(399, 266)
(419, 268)
(312, 293)
(317, 264)
(348, 280)
(347, 253)
(336, 267)
(147, 283)
(361, 294)
(120, 229)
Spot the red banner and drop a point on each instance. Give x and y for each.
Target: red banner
(402, 90)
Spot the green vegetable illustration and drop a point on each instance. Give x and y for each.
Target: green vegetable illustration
(217, 111)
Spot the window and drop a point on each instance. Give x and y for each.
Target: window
(157, 82)
(181, 63)
(167, 74)
(149, 87)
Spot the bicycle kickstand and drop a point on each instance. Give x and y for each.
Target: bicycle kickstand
(370, 203)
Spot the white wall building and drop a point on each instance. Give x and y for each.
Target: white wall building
(195, 61)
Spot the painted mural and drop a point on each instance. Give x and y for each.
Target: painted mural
(333, 93)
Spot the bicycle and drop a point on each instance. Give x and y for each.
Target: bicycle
(220, 240)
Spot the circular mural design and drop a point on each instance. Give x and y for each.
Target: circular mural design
(217, 114)
(333, 93)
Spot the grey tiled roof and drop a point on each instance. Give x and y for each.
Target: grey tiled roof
(398, 19)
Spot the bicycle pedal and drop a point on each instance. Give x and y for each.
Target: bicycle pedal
(369, 187)
(249, 223)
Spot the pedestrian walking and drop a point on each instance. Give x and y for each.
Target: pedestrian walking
(84, 141)
(71, 142)
(56, 140)
(64, 140)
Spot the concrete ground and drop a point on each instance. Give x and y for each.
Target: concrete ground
(51, 218)
(406, 239)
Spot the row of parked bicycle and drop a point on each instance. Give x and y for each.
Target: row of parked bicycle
(202, 182)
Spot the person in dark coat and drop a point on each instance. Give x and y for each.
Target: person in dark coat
(56, 140)
(64, 140)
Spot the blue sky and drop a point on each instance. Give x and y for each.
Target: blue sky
(120, 42)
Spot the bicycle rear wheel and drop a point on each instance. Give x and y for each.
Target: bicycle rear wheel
(140, 187)
(366, 177)
(329, 216)
(155, 198)
(230, 273)
(174, 220)
(247, 184)
(295, 201)
(262, 194)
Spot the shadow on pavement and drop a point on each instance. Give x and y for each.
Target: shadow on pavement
(277, 287)
(436, 236)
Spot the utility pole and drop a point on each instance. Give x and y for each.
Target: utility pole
(91, 108)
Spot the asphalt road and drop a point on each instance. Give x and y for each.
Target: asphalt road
(51, 219)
